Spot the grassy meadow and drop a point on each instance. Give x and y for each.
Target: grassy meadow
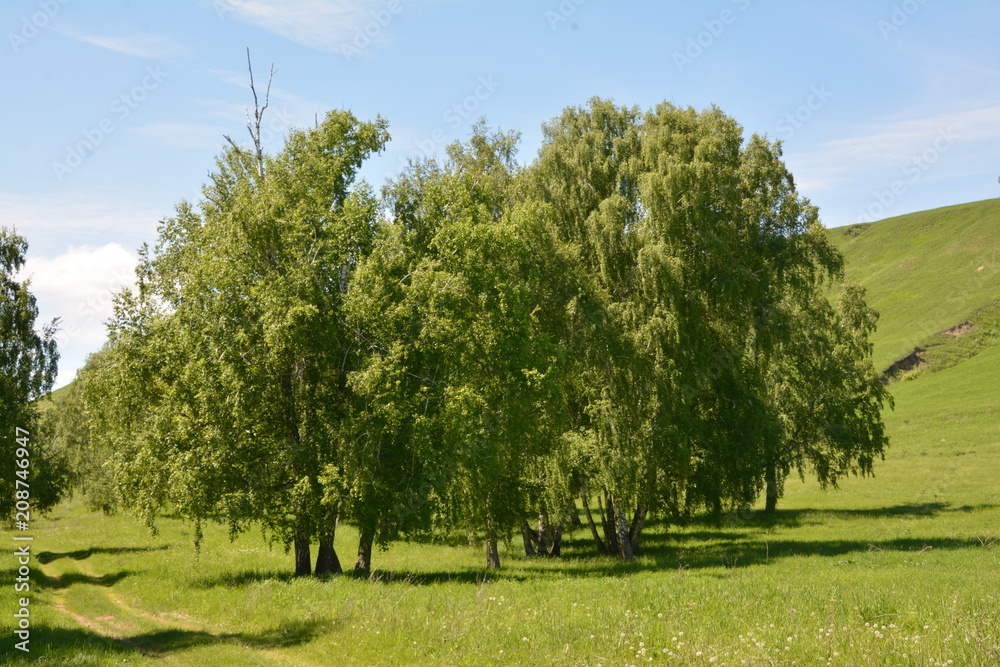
(899, 569)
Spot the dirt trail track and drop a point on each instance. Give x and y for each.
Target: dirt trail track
(130, 624)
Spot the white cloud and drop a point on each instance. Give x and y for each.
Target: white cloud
(140, 44)
(319, 24)
(77, 287)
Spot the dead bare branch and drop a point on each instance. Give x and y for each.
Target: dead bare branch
(253, 125)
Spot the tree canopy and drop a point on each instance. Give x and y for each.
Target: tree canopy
(638, 316)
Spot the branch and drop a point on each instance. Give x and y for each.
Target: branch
(253, 126)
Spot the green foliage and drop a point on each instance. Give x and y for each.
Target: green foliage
(827, 394)
(460, 305)
(223, 387)
(638, 314)
(697, 243)
(28, 363)
(67, 420)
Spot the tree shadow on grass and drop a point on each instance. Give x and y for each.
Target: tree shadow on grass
(286, 635)
(663, 555)
(241, 578)
(81, 646)
(67, 579)
(735, 541)
(46, 557)
(467, 576)
(475, 577)
(67, 646)
(798, 517)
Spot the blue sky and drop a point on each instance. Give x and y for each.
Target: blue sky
(115, 110)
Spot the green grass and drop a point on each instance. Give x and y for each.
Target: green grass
(925, 272)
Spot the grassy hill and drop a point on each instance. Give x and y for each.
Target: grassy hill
(926, 273)
(52, 400)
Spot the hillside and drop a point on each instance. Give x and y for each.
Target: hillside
(53, 399)
(928, 273)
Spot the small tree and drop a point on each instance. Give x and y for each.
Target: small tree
(28, 365)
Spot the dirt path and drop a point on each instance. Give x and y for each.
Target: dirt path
(129, 622)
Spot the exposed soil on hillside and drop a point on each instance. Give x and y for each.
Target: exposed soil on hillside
(959, 329)
(904, 364)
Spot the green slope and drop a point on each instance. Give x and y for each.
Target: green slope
(53, 399)
(926, 273)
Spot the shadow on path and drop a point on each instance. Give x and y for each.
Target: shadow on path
(46, 557)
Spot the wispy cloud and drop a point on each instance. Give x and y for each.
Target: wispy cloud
(139, 44)
(318, 24)
(891, 144)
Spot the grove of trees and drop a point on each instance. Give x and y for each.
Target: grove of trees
(635, 324)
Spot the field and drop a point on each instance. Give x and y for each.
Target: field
(899, 569)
